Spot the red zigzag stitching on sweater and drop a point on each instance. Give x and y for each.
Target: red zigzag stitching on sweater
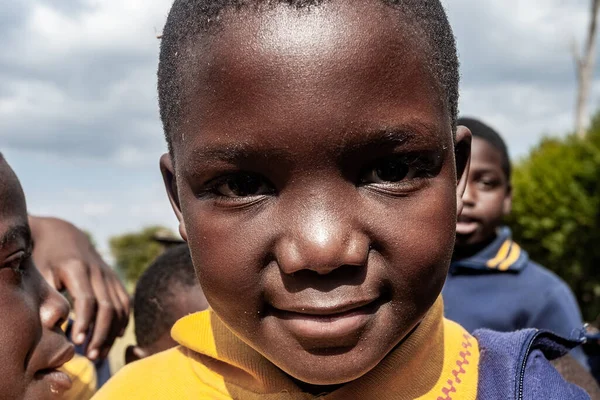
(451, 388)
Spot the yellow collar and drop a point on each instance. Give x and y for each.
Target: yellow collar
(439, 360)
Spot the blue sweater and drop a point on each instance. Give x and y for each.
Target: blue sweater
(501, 289)
(515, 366)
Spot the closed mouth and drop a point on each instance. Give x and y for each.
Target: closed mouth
(337, 325)
(59, 381)
(325, 311)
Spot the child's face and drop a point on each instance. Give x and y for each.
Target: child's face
(487, 198)
(32, 344)
(316, 184)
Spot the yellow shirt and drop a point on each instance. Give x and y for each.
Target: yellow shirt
(83, 375)
(438, 361)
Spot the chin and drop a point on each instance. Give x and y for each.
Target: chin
(326, 370)
(466, 240)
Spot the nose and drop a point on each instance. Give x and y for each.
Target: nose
(470, 196)
(322, 240)
(54, 310)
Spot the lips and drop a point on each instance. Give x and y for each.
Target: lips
(466, 225)
(58, 380)
(327, 324)
(325, 309)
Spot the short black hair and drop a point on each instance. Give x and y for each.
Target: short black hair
(481, 130)
(189, 19)
(155, 291)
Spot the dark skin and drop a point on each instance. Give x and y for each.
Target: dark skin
(32, 344)
(315, 181)
(487, 200)
(66, 258)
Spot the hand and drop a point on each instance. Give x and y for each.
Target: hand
(67, 259)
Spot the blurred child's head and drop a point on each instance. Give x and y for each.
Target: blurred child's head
(487, 199)
(32, 344)
(313, 167)
(166, 291)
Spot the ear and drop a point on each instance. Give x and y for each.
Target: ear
(462, 155)
(170, 180)
(134, 353)
(507, 202)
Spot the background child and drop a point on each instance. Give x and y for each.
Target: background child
(32, 345)
(317, 173)
(492, 283)
(167, 291)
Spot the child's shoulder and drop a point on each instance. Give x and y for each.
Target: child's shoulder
(171, 374)
(147, 378)
(543, 277)
(516, 365)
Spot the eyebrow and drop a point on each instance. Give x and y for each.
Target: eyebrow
(413, 134)
(16, 232)
(232, 153)
(381, 138)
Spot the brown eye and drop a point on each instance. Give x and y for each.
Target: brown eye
(388, 171)
(243, 185)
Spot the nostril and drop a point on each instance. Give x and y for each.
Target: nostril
(315, 279)
(342, 273)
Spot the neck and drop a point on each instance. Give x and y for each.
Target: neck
(317, 390)
(469, 250)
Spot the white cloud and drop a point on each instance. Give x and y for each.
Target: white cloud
(82, 83)
(79, 117)
(517, 67)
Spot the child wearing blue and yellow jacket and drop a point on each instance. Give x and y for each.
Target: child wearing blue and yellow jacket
(492, 283)
(317, 172)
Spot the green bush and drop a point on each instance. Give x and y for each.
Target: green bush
(556, 212)
(133, 252)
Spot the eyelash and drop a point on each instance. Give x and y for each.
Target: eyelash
(211, 189)
(419, 167)
(18, 262)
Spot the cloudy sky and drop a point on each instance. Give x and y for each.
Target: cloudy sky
(78, 109)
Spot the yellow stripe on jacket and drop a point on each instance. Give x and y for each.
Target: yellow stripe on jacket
(501, 255)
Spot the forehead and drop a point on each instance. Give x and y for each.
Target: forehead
(483, 153)
(339, 67)
(13, 211)
(11, 194)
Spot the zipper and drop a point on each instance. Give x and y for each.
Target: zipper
(523, 363)
(569, 344)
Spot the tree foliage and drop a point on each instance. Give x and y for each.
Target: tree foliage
(556, 212)
(133, 252)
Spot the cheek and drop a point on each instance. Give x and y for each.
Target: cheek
(20, 329)
(229, 251)
(492, 205)
(417, 241)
